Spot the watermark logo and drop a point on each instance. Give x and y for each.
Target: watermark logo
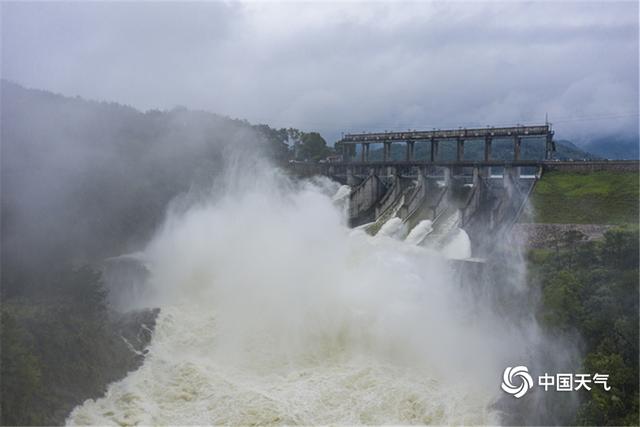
(517, 381)
(521, 376)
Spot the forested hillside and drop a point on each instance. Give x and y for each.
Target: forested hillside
(83, 181)
(590, 290)
(590, 287)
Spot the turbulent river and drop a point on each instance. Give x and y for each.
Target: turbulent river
(273, 311)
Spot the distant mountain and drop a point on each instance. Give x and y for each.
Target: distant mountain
(567, 150)
(615, 147)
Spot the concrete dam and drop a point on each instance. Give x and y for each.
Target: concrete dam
(469, 198)
(482, 197)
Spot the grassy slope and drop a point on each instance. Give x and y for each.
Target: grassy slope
(594, 198)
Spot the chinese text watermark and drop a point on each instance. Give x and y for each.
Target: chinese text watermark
(517, 381)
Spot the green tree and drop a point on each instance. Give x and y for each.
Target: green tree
(572, 239)
(276, 142)
(617, 405)
(21, 375)
(597, 296)
(312, 147)
(621, 248)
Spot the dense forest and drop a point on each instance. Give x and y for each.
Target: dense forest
(83, 181)
(590, 289)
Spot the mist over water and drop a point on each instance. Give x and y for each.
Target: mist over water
(459, 247)
(273, 311)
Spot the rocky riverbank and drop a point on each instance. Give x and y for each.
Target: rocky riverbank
(58, 352)
(130, 334)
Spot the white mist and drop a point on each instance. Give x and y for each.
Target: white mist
(274, 312)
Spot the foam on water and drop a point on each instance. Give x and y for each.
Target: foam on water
(393, 228)
(443, 228)
(419, 232)
(274, 312)
(342, 193)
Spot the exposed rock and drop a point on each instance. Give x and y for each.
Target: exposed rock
(125, 345)
(545, 235)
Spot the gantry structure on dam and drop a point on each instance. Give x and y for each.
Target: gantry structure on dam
(415, 188)
(462, 137)
(354, 161)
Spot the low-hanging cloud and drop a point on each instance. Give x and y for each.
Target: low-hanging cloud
(342, 66)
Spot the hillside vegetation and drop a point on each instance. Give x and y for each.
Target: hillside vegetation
(586, 198)
(590, 288)
(83, 181)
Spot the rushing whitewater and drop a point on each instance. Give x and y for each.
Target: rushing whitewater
(274, 312)
(459, 247)
(393, 228)
(419, 232)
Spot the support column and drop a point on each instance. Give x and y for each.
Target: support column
(447, 176)
(476, 176)
(366, 151)
(487, 148)
(362, 154)
(487, 155)
(434, 150)
(550, 147)
(348, 152)
(517, 141)
(351, 179)
(386, 151)
(460, 149)
(507, 180)
(410, 146)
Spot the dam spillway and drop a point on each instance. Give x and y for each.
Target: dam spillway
(481, 196)
(448, 197)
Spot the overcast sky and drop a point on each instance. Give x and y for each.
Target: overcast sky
(337, 67)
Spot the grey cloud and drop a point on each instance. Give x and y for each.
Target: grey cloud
(341, 66)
